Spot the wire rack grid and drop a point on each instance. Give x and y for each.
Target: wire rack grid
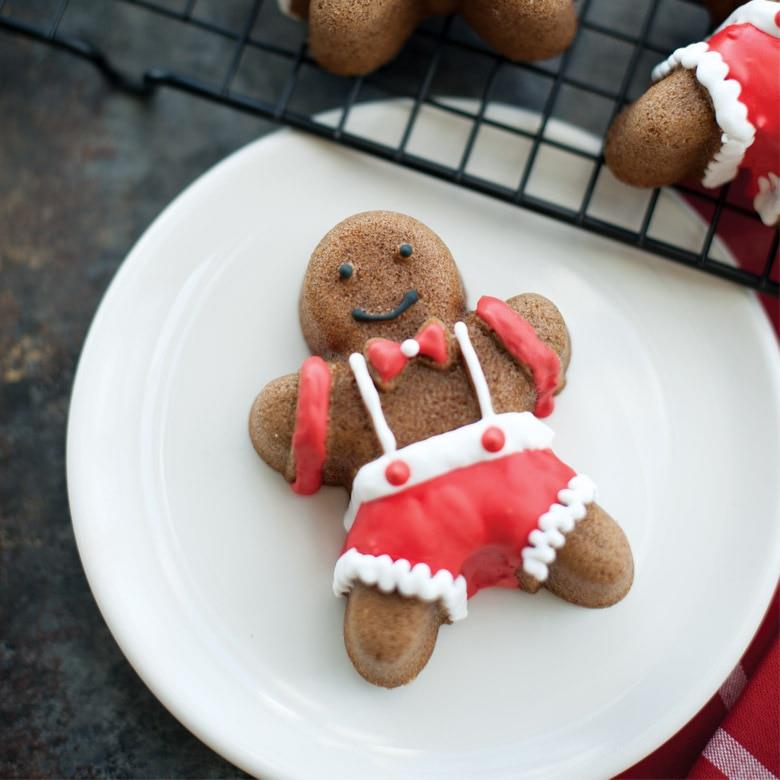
(247, 55)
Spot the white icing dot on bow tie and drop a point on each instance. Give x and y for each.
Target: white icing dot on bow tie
(410, 348)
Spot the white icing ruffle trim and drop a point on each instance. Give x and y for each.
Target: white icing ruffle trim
(731, 113)
(389, 575)
(767, 202)
(559, 520)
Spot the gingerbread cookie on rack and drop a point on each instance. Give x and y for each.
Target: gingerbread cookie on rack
(429, 415)
(354, 37)
(712, 113)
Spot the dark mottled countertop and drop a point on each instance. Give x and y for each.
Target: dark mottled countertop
(83, 170)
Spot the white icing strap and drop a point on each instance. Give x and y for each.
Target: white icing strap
(389, 575)
(559, 520)
(475, 369)
(371, 400)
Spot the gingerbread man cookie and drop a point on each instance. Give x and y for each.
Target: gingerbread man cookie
(712, 113)
(354, 37)
(429, 415)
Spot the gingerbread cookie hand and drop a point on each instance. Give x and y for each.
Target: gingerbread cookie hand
(711, 114)
(415, 404)
(355, 37)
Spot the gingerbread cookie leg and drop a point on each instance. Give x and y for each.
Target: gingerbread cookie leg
(389, 638)
(354, 37)
(523, 29)
(594, 568)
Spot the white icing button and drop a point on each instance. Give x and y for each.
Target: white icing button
(410, 348)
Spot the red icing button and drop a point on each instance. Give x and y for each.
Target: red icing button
(397, 472)
(493, 439)
(777, 18)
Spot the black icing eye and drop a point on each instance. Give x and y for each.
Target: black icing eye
(405, 250)
(345, 270)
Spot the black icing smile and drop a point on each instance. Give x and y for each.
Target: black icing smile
(410, 298)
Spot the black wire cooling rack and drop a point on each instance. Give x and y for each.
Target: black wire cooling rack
(247, 55)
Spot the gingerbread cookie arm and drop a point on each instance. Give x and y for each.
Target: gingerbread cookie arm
(668, 134)
(272, 422)
(549, 325)
(533, 333)
(289, 424)
(523, 29)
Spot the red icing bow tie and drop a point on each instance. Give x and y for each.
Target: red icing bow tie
(389, 358)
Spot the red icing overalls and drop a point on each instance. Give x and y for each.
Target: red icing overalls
(444, 517)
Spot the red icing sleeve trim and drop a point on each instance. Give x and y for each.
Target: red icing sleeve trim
(311, 425)
(521, 341)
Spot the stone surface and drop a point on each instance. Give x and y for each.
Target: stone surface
(83, 170)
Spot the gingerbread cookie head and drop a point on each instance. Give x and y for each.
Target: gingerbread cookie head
(377, 274)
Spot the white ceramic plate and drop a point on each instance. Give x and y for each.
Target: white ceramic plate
(215, 578)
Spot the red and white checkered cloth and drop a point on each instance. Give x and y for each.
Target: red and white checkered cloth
(737, 734)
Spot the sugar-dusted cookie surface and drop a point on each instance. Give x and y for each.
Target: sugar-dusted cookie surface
(712, 113)
(354, 37)
(423, 411)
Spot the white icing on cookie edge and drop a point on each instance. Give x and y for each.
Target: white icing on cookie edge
(760, 13)
(440, 454)
(389, 575)
(731, 113)
(767, 202)
(559, 520)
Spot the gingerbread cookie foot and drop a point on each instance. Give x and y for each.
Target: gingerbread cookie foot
(595, 568)
(389, 638)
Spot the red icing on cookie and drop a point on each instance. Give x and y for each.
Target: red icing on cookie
(311, 425)
(521, 341)
(433, 343)
(386, 358)
(493, 439)
(397, 472)
(452, 522)
(753, 58)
